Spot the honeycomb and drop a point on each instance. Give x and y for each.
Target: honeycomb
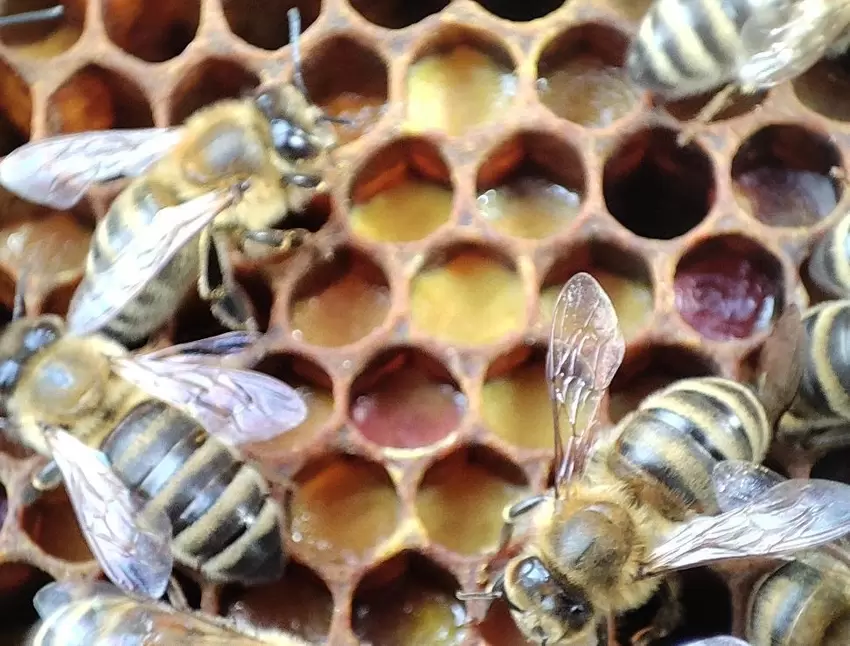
(495, 149)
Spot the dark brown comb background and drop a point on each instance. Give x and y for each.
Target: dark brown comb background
(497, 152)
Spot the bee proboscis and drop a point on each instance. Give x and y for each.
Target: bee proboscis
(175, 223)
(600, 543)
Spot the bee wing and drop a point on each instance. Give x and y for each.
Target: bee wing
(99, 300)
(58, 594)
(719, 640)
(132, 545)
(57, 172)
(237, 348)
(738, 483)
(784, 38)
(236, 406)
(791, 516)
(586, 348)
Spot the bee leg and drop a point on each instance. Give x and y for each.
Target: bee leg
(280, 240)
(176, 596)
(510, 516)
(668, 616)
(229, 303)
(47, 479)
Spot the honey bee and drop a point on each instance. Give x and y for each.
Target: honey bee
(803, 602)
(819, 416)
(90, 613)
(829, 264)
(623, 516)
(687, 47)
(148, 250)
(27, 17)
(146, 446)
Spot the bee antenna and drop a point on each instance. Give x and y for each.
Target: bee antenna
(294, 17)
(19, 307)
(32, 16)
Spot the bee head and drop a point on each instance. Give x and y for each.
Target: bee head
(546, 608)
(297, 128)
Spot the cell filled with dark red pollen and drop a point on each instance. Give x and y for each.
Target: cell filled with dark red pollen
(728, 288)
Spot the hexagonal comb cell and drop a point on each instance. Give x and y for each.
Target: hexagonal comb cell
(266, 26)
(581, 76)
(206, 83)
(345, 506)
(728, 287)
(300, 604)
(50, 245)
(96, 98)
(651, 369)
(531, 186)
(406, 399)
(348, 80)
(468, 295)
(52, 524)
(18, 584)
(624, 276)
(315, 387)
(155, 30)
(397, 14)
(737, 106)
(461, 497)
(15, 109)
(460, 79)
(515, 403)
(44, 38)
(499, 628)
(824, 88)
(408, 600)
(340, 302)
(656, 188)
(402, 193)
(783, 175)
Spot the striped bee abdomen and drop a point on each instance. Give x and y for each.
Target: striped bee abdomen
(829, 265)
(825, 386)
(131, 215)
(685, 48)
(802, 603)
(225, 524)
(678, 434)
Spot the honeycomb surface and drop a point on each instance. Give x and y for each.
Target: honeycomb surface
(496, 150)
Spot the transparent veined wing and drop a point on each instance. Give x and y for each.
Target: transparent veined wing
(791, 516)
(236, 406)
(783, 38)
(719, 640)
(236, 349)
(131, 543)
(57, 172)
(100, 299)
(586, 348)
(738, 483)
(58, 594)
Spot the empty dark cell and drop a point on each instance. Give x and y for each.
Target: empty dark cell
(265, 24)
(833, 466)
(656, 188)
(155, 30)
(208, 82)
(520, 11)
(397, 14)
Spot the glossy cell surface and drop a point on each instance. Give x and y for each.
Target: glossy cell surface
(728, 288)
(468, 297)
(343, 508)
(340, 302)
(458, 87)
(52, 523)
(406, 400)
